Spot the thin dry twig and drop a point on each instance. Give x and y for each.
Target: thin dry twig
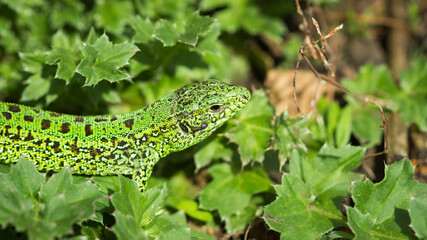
(315, 52)
(294, 80)
(247, 231)
(383, 127)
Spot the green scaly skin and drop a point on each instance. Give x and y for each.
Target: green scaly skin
(130, 143)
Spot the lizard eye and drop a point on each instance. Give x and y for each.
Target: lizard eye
(184, 128)
(215, 107)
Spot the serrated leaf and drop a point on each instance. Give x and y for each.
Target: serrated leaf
(143, 28)
(167, 227)
(417, 212)
(293, 214)
(373, 80)
(64, 53)
(24, 178)
(127, 227)
(386, 203)
(68, 12)
(131, 201)
(329, 173)
(231, 193)
(360, 223)
(195, 26)
(253, 129)
(288, 135)
(310, 196)
(112, 15)
(104, 59)
(169, 33)
(60, 205)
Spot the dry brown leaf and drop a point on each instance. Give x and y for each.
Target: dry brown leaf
(309, 88)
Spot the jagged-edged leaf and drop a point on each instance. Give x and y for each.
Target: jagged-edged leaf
(294, 214)
(64, 53)
(231, 193)
(130, 201)
(60, 205)
(169, 226)
(112, 15)
(288, 135)
(253, 128)
(103, 60)
(127, 227)
(143, 28)
(384, 206)
(195, 25)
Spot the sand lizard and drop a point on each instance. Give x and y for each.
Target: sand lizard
(128, 144)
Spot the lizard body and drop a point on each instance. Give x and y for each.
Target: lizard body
(130, 143)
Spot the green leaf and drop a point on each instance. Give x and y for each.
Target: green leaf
(361, 224)
(412, 80)
(68, 13)
(253, 128)
(412, 102)
(131, 201)
(231, 193)
(127, 227)
(112, 15)
(386, 203)
(329, 173)
(64, 53)
(169, 33)
(143, 28)
(167, 227)
(60, 205)
(373, 80)
(214, 147)
(417, 212)
(293, 214)
(366, 125)
(244, 14)
(288, 135)
(198, 235)
(8, 38)
(310, 196)
(343, 130)
(181, 192)
(195, 26)
(107, 183)
(238, 222)
(23, 177)
(37, 88)
(104, 59)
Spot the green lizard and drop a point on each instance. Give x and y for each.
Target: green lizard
(129, 143)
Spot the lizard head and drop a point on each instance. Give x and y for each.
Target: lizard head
(203, 107)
